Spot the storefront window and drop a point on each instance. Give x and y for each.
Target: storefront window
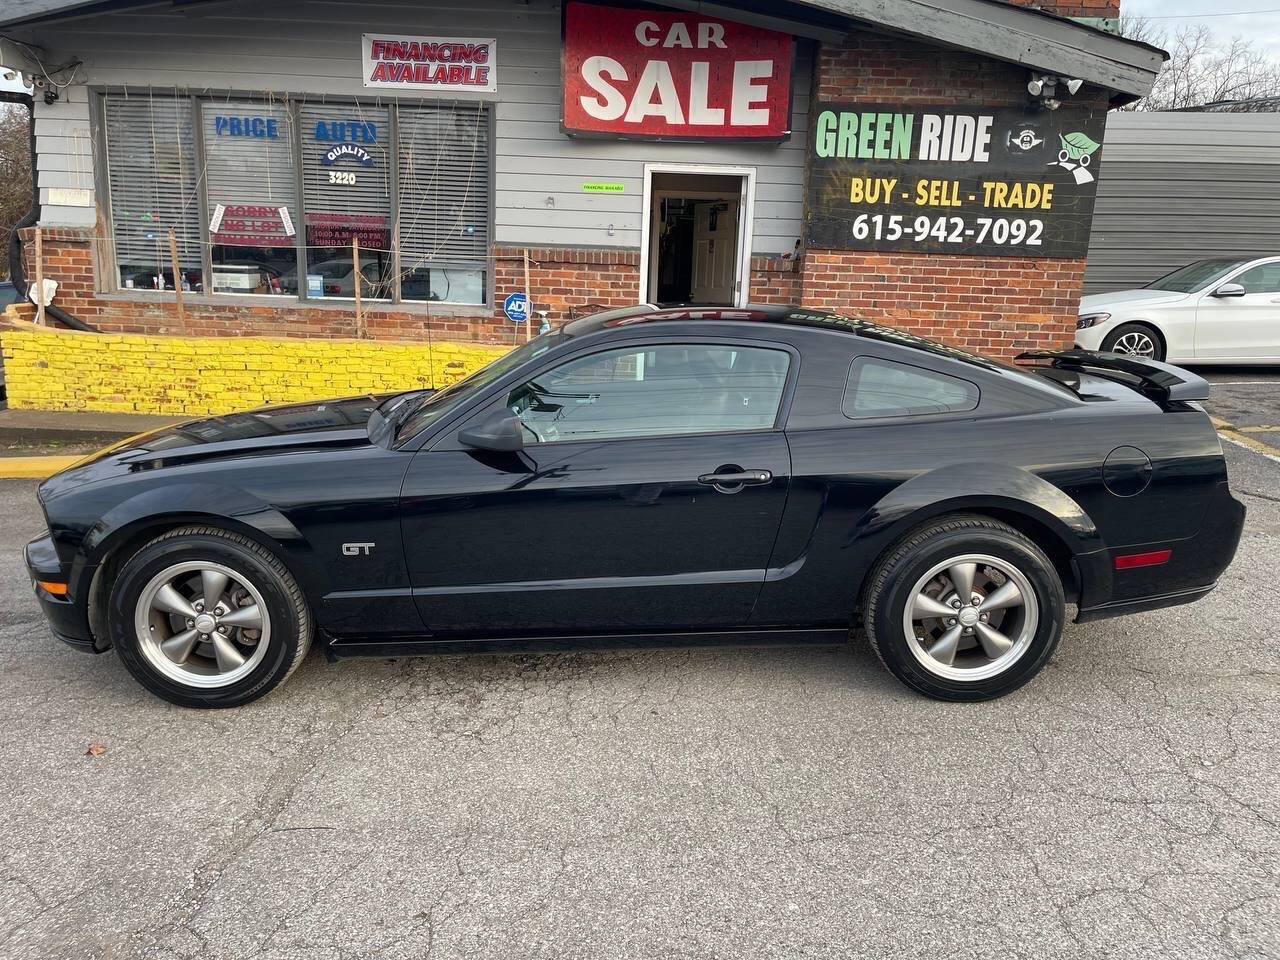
(346, 169)
(444, 173)
(410, 184)
(153, 184)
(250, 190)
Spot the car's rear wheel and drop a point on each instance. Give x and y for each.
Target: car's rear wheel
(207, 618)
(1135, 340)
(964, 608)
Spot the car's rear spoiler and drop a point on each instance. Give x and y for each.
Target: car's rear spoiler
(1159, 381)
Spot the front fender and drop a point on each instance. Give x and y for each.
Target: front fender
(177, 504)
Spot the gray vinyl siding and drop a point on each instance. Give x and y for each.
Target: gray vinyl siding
(1176, 187)
(313, 49)
(65, 157)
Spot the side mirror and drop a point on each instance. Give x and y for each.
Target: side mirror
(1229, 290)
(500, 431)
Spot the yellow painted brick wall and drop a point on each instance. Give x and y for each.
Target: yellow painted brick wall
(69, 370)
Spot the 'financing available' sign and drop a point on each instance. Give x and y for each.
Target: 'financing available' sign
(646, 74)
(440, 64)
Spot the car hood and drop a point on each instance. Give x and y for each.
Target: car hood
(1129, 298)
(271, 429)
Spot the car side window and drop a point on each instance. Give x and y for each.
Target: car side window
(885, 388)
(1264, 278)
(655, 390)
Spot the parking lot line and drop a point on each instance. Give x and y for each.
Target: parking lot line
(1249, 444)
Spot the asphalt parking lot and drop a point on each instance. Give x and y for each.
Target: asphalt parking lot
(729, 803)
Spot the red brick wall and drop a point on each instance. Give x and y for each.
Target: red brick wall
(565, 281)
(995, 305)
(1000, 305)
(775, 280)
(1073, 8)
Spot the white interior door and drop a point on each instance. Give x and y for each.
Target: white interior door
(715, 252)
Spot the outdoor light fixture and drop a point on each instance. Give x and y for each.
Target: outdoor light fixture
(1045, 88)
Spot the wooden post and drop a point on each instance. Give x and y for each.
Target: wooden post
(357, 277)
(528, 293)
(395, 258)
(177, 278)
(39, 276)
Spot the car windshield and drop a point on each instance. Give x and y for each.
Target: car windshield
(1196, 276)
(435, 405)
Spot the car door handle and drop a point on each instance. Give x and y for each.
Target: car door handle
(736, 477)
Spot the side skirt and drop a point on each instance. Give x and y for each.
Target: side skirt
(381, 647)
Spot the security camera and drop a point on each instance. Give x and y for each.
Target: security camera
(10, 76)
(1074, 85)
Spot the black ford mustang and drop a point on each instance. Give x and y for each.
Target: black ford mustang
(647, 477)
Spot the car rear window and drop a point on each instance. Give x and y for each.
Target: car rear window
(884, 388)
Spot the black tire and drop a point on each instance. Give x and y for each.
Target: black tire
(1135, 333)
(287, 637)
(894, 578)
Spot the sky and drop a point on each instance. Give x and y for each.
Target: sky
(1262, 27)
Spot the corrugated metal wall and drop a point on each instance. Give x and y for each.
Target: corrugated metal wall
(291, 47)
(1176, 187)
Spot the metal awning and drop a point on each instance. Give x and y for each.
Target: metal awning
(992, 28)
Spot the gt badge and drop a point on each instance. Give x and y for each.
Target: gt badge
(355, 549)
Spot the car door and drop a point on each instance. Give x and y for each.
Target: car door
(647, 497)
(1242, 327)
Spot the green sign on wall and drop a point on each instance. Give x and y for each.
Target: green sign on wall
(992, 181)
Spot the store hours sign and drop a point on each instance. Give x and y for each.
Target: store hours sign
(1008, 181)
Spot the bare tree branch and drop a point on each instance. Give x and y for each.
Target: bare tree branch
(1201, 70)
(15, 172)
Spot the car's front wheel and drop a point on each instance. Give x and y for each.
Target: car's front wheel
(204, 617)
(964, 608)
(1136, 340)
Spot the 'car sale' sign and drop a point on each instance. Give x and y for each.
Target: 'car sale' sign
(673, 76)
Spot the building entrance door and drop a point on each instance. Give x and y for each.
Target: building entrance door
(696, 238)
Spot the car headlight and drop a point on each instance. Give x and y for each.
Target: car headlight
(1086, 320)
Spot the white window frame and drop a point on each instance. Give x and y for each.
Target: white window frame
(746, 221)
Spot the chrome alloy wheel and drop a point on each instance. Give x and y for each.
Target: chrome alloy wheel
(971, 617)
(202, 624)
(1135, 343)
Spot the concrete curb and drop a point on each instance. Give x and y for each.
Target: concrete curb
(34, 468)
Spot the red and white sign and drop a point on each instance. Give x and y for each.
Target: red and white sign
(442, 64)
(252, 225)
(677, 76)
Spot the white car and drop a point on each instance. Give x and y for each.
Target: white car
(1225, 310)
